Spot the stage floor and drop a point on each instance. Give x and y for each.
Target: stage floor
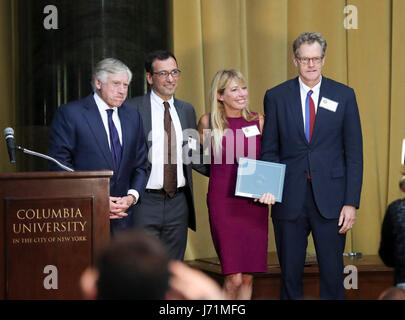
(373, 277)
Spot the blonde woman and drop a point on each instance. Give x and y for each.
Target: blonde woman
(238, 225)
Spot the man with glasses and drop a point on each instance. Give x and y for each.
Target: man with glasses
(312, 125)
(167, 207)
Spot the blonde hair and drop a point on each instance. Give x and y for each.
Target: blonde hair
(218, 121)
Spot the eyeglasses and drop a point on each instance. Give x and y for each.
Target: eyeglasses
(305, 60)
(164, 74)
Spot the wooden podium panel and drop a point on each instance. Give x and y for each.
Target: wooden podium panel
(52, 225)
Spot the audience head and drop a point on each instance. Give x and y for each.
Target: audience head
(134, 265)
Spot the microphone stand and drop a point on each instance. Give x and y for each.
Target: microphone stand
(37, 154)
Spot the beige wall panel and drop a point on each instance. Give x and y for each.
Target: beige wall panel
(267, 48)
(267, 55)
(397, 116)
(188, 48)
(223, 27)
(326, 18)
(369, 75)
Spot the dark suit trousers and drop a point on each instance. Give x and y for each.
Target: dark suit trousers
(166, 218)
(120, 225)
(292, 240)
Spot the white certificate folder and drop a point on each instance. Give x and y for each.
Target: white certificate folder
(257, 177)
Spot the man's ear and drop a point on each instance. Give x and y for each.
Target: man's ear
(97, 83)
(88, 283)
(149, 78)
(294, 59)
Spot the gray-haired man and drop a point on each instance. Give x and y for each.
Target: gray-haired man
(100, 133)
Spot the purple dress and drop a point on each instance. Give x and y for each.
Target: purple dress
(239, 226)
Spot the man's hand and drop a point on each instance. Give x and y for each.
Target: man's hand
(118, 206)
(347, 218)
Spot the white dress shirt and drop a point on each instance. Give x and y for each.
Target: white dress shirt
(102, 107)
(315, 95)
(157, 135)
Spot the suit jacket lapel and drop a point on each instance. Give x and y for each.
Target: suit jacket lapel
(96, 125)
(146, 114)
(296, 107)
(323, 92)
(125, 124)
(183, 121)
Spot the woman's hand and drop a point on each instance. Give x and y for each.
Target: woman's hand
(267, 198)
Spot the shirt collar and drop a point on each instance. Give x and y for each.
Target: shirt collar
(102, 106)
(159, 100)
(306, 88)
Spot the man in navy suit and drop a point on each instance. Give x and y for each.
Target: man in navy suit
(99, 132)
(312, 125)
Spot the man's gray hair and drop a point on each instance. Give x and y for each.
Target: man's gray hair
(106, 66)
(310, 38)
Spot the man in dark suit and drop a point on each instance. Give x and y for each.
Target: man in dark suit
(312, 125)
(99, 132)
(167, 207)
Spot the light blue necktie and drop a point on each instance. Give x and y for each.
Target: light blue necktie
(307, 115)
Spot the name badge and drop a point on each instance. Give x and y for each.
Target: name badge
(192, 143)
(251, 131)
(328, 104)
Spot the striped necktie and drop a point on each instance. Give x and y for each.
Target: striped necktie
(170, 166)
(309, 116)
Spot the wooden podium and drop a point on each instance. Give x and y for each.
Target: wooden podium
(52, 224)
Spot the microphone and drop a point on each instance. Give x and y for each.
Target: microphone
(11, 146)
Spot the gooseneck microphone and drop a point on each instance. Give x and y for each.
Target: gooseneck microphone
(9, 133)
(12, 147)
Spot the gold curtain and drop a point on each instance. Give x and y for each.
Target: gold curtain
(255, 36)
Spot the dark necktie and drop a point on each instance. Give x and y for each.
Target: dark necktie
(170, 166)
(309, 116)
(114, 141)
